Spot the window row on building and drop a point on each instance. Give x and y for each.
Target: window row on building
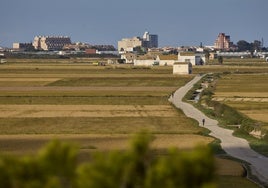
(50, 42)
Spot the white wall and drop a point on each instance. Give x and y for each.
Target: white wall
(181, 68)
(149, 62)
(188, 59)
(194, 59)
(167, 62)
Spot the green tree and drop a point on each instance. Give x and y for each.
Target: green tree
(256, 45)
(243, 45)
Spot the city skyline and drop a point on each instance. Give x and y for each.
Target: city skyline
(176, 22)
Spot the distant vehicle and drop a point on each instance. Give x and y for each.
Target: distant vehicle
(2, 59)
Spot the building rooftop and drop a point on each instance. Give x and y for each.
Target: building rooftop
(168, 57)
(187, 54)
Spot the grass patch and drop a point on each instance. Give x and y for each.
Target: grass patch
(98, 125)
(125, 82)
(216, 147)
(85, 100)
(88, 92)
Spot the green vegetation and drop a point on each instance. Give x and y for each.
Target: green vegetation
(56, 166)
(226, 114)
(124, 82)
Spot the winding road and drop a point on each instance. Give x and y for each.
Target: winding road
(234, 146)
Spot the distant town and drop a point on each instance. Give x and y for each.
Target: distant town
(139, 50)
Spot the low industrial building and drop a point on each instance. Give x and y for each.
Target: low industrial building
(159, 60)
(234, 54)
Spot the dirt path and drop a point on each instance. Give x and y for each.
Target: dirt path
(236, 147)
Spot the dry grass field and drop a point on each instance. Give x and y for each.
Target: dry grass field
(100, 142)
(39, 111)
(84, 101)
(248, 93)
(232, 68)
(99, 108)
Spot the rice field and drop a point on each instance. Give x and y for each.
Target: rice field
(98, 108)
(242, 68)
(39, 111)
(247, 93)
(39, 100)
(101, 142)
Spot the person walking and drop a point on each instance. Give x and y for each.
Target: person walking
(203, 121)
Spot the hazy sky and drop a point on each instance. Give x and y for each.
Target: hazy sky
(177, 22)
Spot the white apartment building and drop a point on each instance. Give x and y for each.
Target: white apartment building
(128, 44)
(50, 42)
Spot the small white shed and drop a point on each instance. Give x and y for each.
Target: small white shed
(191, 57)
(182, 68)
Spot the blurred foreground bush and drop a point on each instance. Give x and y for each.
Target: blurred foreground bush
(56, 166)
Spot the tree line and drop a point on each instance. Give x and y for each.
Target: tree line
(243, 45)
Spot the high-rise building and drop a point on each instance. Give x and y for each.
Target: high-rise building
(150, 40)
(223, 42)
(50, 42)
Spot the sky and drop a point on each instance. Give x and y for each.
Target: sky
(176, 22)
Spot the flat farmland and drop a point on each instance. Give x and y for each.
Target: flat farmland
(97, 107)
(244, 67)
(101, 142)
(248, 93)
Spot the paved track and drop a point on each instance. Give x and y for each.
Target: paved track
(236, 147)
